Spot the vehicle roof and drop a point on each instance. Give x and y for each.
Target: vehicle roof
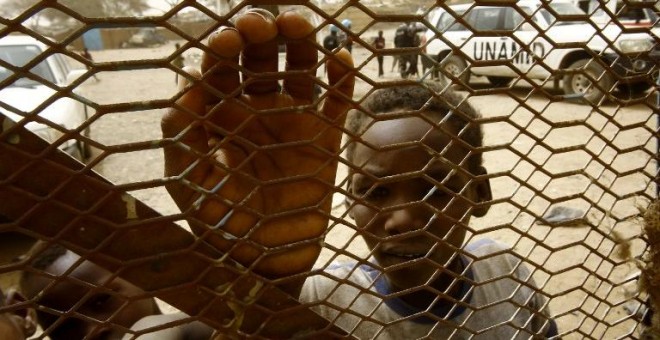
(520, 3)
(19, 39)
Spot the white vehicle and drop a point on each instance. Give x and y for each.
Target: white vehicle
(553, 39)
(34, 98)
(629, 13)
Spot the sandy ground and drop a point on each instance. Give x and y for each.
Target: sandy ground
(535, 166)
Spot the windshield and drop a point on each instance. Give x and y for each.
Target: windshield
(564, 8)
(560, 8)
(18, 56)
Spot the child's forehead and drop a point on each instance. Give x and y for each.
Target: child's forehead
(409, 129)
(74, 266)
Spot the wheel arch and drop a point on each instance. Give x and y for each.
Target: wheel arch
(574, 56)
(442, 55)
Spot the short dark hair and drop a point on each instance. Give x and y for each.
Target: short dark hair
(430, 98)
(40, 260)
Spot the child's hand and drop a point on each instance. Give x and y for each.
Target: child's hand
(256, 162)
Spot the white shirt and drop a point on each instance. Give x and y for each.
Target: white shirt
(500, 302)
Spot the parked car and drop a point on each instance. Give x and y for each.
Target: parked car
(637, 13)
(32, 97)
(502, 44)
(145, 37)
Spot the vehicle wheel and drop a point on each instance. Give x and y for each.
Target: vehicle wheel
(500, 81)
(84, 151)
(455, 66)
(578, 83)
(634, 90)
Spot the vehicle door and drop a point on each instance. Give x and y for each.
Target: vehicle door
(453, 33)
(529, 47)
(485, 45)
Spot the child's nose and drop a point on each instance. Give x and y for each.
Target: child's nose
(405, 219)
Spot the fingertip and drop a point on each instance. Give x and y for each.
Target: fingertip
(341, 76)
(191, 72)
(293, 25)
(226, 42)
(341, 68)
(257, 26)
(344, 58)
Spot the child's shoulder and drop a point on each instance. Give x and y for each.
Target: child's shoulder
(485, 246)
(489, 259)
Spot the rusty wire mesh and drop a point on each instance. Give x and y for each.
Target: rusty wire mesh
(569, 150)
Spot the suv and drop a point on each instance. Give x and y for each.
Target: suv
(551, 39)
(32, 96)
(638, 13)
(144, 37)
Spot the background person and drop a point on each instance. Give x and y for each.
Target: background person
(379, 44)
(113, 301)
(17, 324)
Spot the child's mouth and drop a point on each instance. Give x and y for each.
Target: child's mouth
(403, 252)
(409, 256)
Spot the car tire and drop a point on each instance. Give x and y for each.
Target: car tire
(83, 151)
(455, 66)
(499, 81)
(577, 83)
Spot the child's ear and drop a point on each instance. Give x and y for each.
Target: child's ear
(25, 317)
(483, 193)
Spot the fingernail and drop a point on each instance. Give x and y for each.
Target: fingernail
(266, 15)
(226, 28)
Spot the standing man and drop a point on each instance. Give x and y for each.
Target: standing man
(345, 37)
(178, 62)
(85, 53)
(331, 41)
(404, 38)
(379, 44)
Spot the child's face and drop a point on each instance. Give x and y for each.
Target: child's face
(10, 328)
(106, 304)
(15, 325)
(404, 217)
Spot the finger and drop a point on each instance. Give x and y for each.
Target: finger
(183, 125)
(301, 54)
(220, 65)
(260, 59)
(341, 76)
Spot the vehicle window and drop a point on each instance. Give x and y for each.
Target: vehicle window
(448, 22)
(626, 13)
(560, 8)
(61, 61)
(485, 19)
(19, 56)
(563, 8)
(512, 19)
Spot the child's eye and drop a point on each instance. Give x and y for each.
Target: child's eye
(377, 192)
(98, 301)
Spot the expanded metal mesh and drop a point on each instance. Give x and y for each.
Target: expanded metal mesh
(567, 103)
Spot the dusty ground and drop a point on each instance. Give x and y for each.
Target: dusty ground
(575, 265)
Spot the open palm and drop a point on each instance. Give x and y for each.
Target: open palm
(254, 161)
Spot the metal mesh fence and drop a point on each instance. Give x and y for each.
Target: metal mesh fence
(479, 172)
